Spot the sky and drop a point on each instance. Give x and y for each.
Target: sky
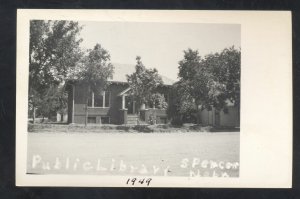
(160, 45)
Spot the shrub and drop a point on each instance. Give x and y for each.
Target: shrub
(124, 128)
(152, 119)
(142, 128)
(176, 121)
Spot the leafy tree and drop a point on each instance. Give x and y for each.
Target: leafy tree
(34, 101)
(193, 84)
(189, 65)
(143, 83)
(94, 70)
(54, 100)
(207, 82)
(157, 100)
(182, 103)
(225, 70)
(53, 48)
(185, 101)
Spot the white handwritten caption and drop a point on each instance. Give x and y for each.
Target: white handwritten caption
(195, 167)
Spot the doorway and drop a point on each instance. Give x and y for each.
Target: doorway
(130, 105)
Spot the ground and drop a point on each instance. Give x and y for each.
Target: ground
(172, 154)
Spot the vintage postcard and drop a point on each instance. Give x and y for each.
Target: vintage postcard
(140, 98)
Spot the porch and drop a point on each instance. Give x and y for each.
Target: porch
(129, 112)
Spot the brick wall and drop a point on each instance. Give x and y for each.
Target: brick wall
(113, 111)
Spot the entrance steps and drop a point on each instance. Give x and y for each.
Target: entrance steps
(134, 120)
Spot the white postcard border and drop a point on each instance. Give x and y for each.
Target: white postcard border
(266, 96)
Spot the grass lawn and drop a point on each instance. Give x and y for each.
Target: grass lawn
(172, 154)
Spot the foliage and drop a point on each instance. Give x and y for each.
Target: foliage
(157, 100)
(225, 69)
(143, 83)
(54, 100)
(53, 49)
(183, 104)
(206, 82)
(94, 70)
(34, 100)
(152, 119)
(193, 84)
(189, 65)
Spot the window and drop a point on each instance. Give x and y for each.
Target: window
(107, 98)
(99, 99)
(90, 100)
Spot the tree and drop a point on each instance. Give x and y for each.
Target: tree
(189, 65)
(34, 101)
(94, 70)
(208, 82)
(225, 70)
(182, 103)
(143, 83)
(54, 100)
(53, 49)
(193, 83)
(157, 100)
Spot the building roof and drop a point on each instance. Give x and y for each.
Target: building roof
(124, 91)
(121, 70)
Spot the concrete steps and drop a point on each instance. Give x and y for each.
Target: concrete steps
(134, 120)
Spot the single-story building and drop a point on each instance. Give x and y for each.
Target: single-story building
(113, 106)
(228, 117)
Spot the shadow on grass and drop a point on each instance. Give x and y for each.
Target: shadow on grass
(123, 128)
(143, 128)
(161, 128)
(225, 129)
(57, 123)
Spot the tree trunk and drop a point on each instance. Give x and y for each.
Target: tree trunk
(139, 115)
(86, 113)
(33, 115)
(197, 114)
(62, 117)
(238, 117)
(86, 106)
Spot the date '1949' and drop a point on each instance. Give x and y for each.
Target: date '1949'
(135, 181)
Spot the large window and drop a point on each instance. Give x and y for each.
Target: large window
(99, 99)
(90, 100)
(106, 99)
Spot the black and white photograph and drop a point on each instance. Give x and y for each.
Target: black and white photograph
(135, 99)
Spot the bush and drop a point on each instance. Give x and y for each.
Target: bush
(124, 128)
(152, 119)
(177, 121)
(142, 128)
(189, 118)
